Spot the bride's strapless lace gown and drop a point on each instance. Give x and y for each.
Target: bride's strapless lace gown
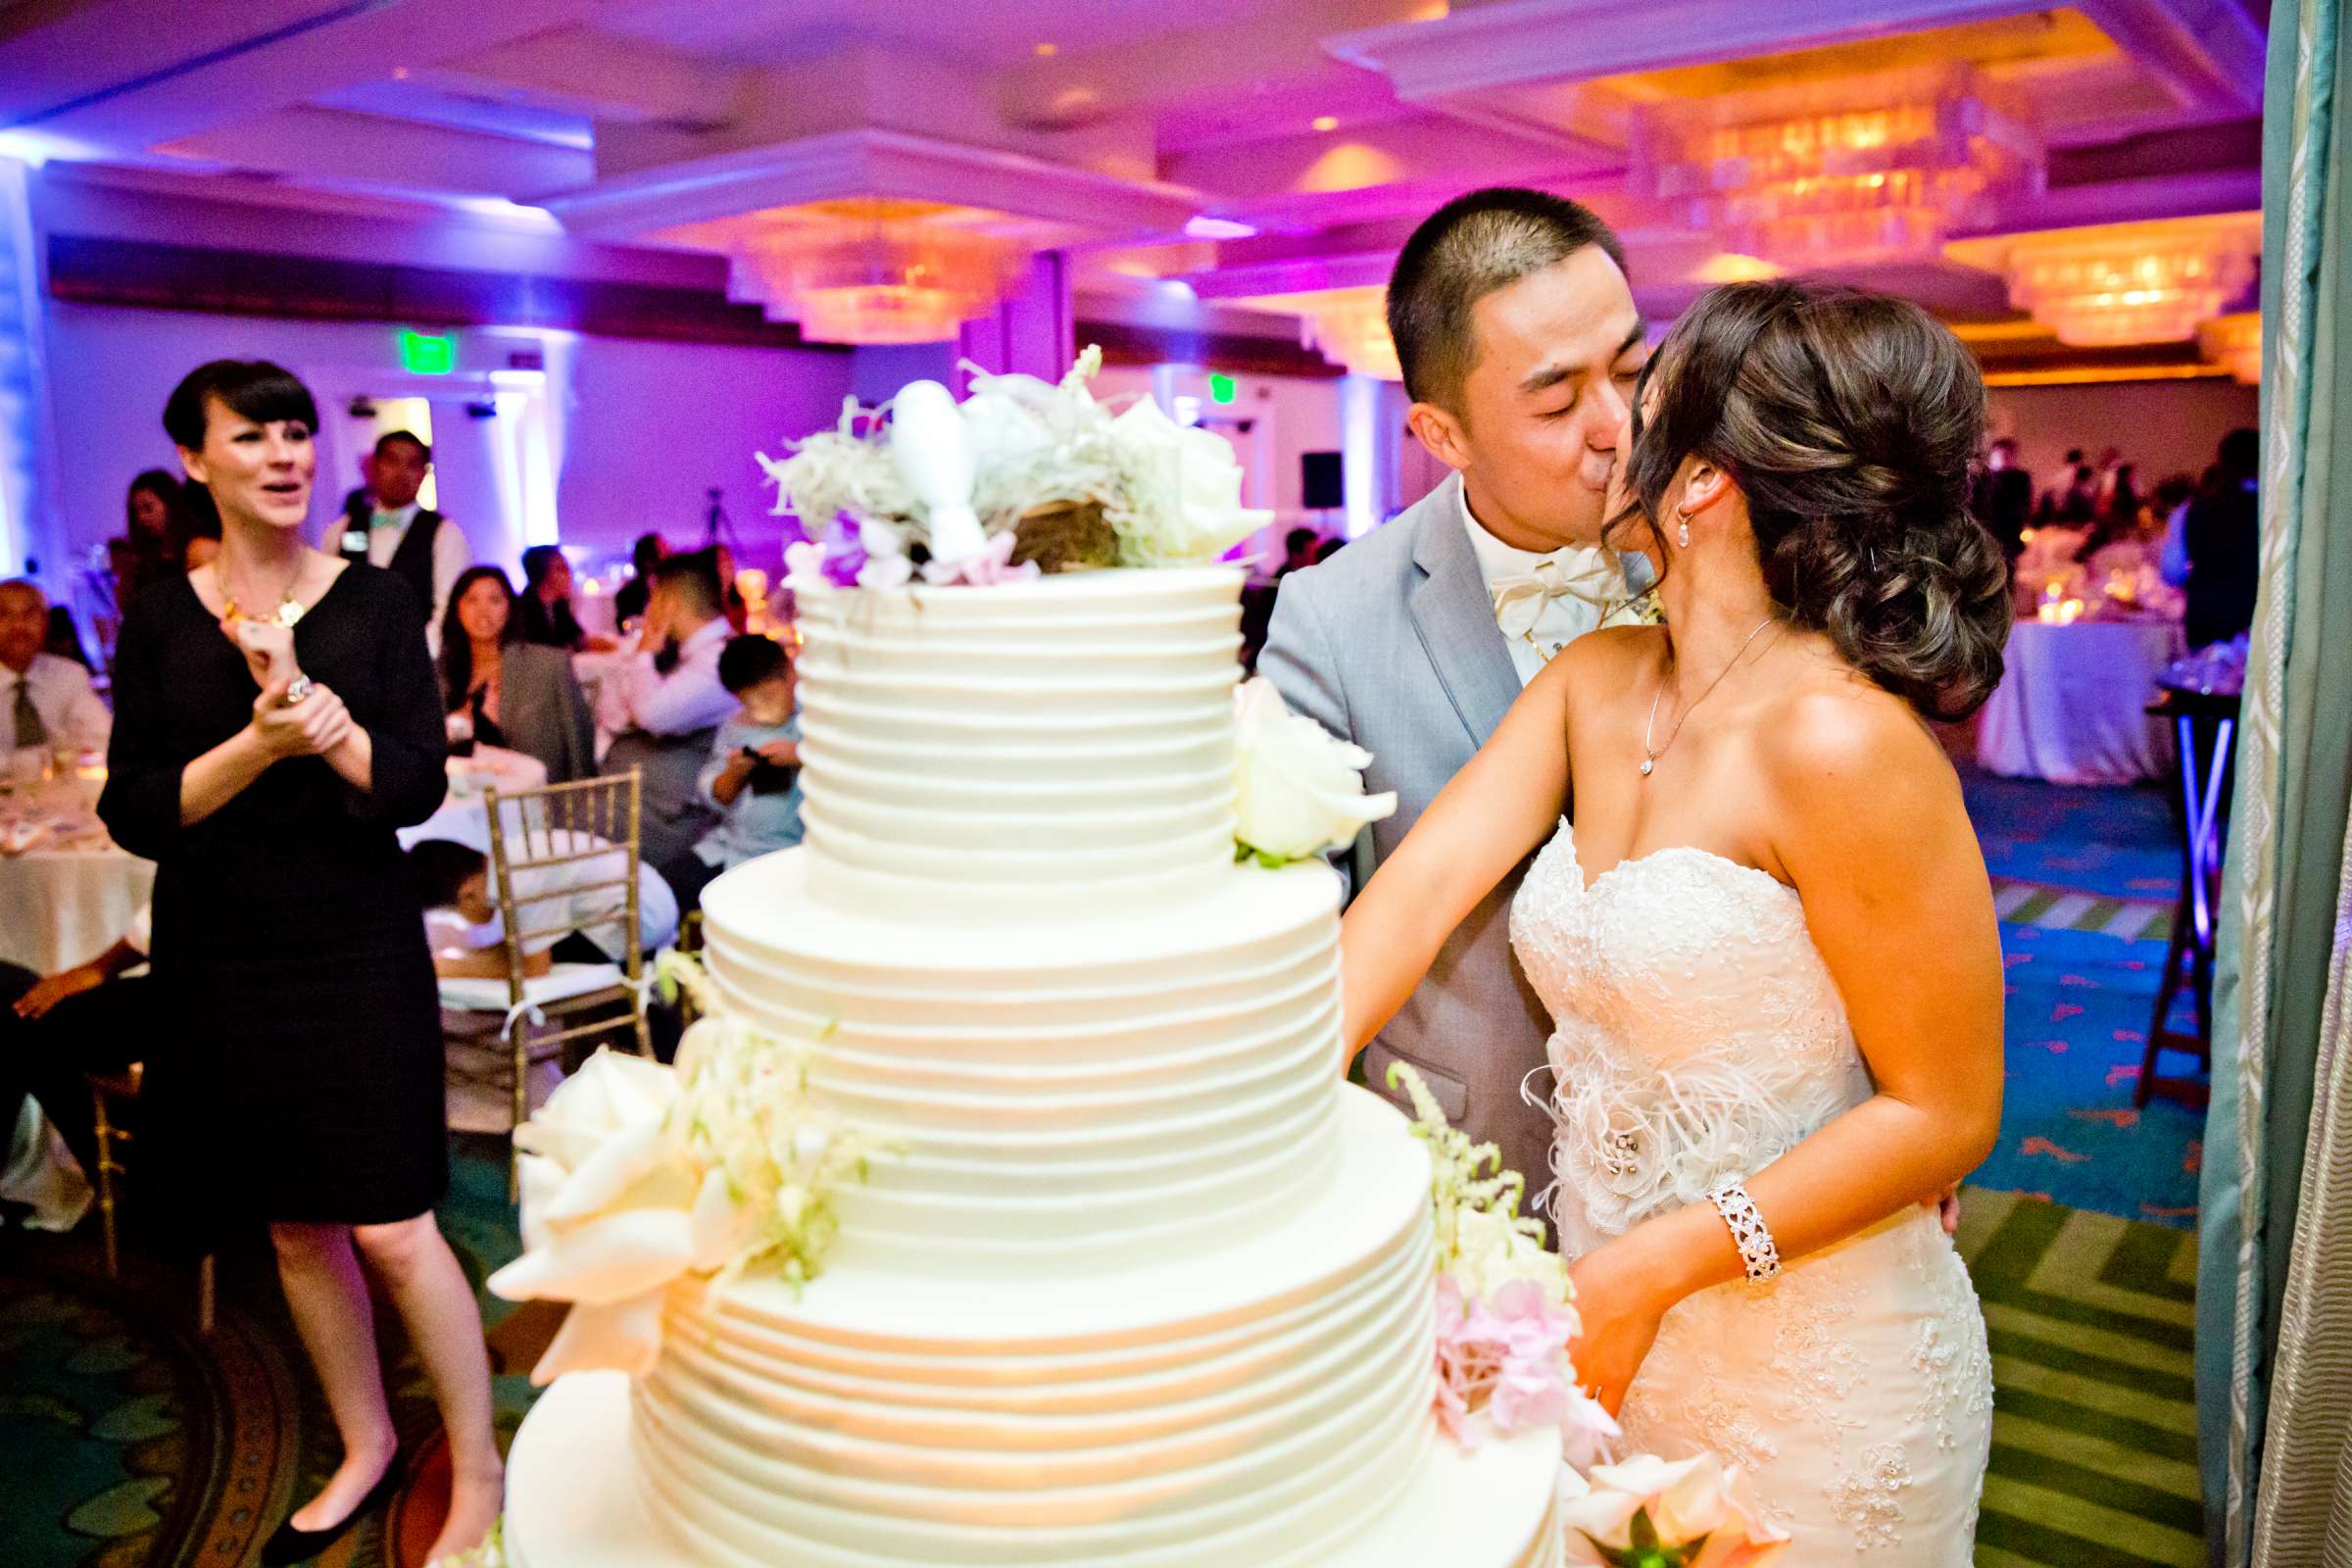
(1697, 1038)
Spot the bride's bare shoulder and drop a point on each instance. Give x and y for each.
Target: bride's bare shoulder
(1839, 743)
(1612, 651)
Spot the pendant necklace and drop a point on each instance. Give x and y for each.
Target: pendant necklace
(1650, 754)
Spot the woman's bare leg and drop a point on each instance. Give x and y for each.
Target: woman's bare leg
(328, 1296)
(445, 1324)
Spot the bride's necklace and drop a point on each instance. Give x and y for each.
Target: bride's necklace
(1650, 754)
(289, 608)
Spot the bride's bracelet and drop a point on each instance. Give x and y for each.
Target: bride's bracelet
(1748, 1231)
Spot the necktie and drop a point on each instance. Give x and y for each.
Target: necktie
(1592, 575)
(31, 729)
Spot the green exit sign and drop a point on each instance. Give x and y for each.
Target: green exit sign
(1221, 389)
(424, 354)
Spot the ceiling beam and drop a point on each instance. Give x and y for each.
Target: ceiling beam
(154, 95)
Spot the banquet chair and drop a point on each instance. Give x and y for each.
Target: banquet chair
(536, 882)
(106, 1091)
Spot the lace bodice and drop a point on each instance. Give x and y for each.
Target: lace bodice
(1698, 1034)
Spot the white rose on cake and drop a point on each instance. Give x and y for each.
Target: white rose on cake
(1301, 787)
(1183, 498)
(616, 1204)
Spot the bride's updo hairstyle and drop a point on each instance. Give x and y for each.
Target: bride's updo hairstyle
(1850, 422)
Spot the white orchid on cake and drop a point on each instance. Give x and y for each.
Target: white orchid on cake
(1301, 788)
(635, 1175)
(1024, 476)
(1506, 1317)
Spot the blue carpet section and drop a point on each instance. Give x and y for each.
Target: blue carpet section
(2114, 843)
(2079, 1004)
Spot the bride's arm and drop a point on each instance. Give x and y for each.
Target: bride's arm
(1501, 806)
(1872, 832)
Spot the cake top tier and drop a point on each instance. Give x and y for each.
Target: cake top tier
(1021, 750)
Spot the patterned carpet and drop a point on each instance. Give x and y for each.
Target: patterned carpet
(2094, 1421)
(131, 1442)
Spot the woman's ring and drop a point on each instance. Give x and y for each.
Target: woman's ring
(299, 687)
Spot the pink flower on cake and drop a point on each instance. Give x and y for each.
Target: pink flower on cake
(1696, 1513)
(1506, 1356)
(993, 565)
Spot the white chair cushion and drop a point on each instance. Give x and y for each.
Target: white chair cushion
(560, 983)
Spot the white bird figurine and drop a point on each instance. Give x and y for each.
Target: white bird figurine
(934, 450)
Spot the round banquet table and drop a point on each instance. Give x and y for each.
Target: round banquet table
(2072, 707)
(66, 891)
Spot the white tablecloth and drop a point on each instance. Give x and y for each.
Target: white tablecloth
(509, 771)
(66, 897)
(2072, 708)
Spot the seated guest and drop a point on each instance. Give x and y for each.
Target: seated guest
(665, 709)
(55, 1028)
(44, 700)
(754, 774)
(513, 694)
(545, 605)
(467, 937)
(628, 603)
(383, 525)
(151, 546)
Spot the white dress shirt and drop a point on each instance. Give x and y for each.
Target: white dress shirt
(688, 699)
(452, 555)
(1565, 617)
(551, 895)
(63, 696)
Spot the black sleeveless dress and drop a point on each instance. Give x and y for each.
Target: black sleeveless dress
(289, 948)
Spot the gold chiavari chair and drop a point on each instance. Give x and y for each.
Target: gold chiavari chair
(547, 879)
(107, 1091)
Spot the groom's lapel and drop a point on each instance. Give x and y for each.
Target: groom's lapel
(1455, 618)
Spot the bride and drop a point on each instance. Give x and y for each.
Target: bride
(1767, 943)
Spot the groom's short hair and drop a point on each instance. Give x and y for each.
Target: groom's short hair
(1463, 252)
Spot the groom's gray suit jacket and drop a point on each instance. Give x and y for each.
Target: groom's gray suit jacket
(1392, 643)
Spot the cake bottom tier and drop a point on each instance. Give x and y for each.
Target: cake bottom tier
(576, 1499)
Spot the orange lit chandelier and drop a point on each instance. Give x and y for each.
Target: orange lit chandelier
(2122, 283)
(1349, 326)
(873, 272)
(1857, 169)
(2234, 342)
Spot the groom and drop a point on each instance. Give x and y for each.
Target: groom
(1519, 340)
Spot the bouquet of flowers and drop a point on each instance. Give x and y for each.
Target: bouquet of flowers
(1505, 1319)
(1022, 477)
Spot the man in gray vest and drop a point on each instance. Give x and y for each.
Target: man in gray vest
(383, 525)
(1520, 341)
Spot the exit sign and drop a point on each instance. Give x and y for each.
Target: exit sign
(426, 354)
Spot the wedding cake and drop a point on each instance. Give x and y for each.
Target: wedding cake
(1132, 1277)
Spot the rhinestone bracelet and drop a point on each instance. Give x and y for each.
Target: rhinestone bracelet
(1756, 1249)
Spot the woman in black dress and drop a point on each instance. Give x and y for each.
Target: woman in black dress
(276, 718)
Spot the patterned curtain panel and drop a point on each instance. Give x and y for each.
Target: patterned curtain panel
(2275, 1292)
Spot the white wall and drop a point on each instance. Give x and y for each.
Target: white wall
(643, 428)
(2165, 427)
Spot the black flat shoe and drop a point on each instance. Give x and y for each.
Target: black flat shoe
(292, 1545)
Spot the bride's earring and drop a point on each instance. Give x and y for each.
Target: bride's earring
(1682, 533)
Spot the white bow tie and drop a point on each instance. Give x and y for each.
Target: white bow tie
(1575, 572)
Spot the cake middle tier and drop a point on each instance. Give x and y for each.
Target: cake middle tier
(1053, 1096)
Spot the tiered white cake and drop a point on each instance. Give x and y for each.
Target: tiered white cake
(1145, 1284)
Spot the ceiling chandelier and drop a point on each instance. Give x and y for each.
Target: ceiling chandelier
(1349, 326)
(873, 272)
(2235, 343)
(1858, 169)
(2123, 283)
